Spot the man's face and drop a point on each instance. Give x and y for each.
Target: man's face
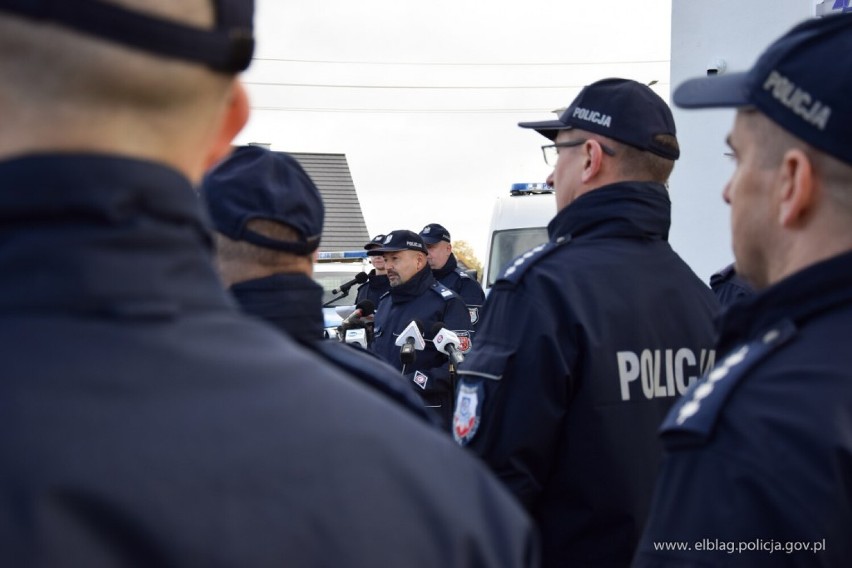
(438, 255)
(378, 262)
(749, 192)
(565, 177)
(402, 265)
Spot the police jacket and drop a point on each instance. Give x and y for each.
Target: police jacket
(457, 280)
(374, 288)
(584, 345)
(758, 460)
(293, 304)
(144, 421)
(427, 300)
(728, 286)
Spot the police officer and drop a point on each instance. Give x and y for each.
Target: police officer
(377, 284)
(416, 296)
(144, 421)
(759, 453)
(587, 340)
(272, 280)
(446, 270)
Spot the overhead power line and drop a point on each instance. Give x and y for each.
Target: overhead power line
(404, 111)
(465, 64)
(432, 87)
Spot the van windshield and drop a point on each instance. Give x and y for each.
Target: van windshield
(510, 244)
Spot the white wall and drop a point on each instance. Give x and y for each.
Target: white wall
(736, 31)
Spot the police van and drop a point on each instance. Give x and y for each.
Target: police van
(518, 223)
(331, 270)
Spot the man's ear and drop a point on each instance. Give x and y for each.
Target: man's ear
(236, 117)
(798, 191)
(593, 154)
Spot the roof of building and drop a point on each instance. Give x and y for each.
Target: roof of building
(344, 227)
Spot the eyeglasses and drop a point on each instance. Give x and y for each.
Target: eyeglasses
(551, 151)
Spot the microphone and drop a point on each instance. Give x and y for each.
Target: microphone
(363, 309)
(448, 343)
(356, 337)
(410, 339)
(360, 278)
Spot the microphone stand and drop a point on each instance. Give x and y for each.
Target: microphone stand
(343, 294)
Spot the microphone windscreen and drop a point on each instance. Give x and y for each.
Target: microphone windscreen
(367, 307)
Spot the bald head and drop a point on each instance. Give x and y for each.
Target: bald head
(66, 91)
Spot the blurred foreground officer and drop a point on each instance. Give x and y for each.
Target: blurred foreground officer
(446, 270)
(257, 193)
(144, 421)
(416, 296)
(587, 339)
(377, 284)
(758, 469)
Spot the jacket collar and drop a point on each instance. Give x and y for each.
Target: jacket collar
(290, 302)
(625, 209)
(448, 268)
(91, 233)
(415, 287)
(805, 294)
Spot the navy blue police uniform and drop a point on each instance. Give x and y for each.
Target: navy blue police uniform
(757, 450)
(758, 466)
(293, 304)
(460, 282)
(145, 421)
(575, 367)
(426, 300)
(587, 340)
(377, 284)
(728, 286)
(453, 277)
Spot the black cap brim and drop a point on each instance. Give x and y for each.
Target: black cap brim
(720, 91)
(547, 128)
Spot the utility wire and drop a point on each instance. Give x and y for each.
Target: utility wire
(463, 64)
(430, 87)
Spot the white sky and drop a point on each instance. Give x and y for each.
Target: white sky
(424, 98)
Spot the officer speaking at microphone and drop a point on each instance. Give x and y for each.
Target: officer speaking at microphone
(587, 340)
(415, 296)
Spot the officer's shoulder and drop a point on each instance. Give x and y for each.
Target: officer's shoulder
(352, 359)
(445, 293)
(463, 274)
(515, 271)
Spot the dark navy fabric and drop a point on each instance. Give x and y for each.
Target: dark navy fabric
(457, 280)
(759, 453)
(585, 343)
(729, 287)
(376, 286)
(144, 421)
(427, 300)
(293, 304)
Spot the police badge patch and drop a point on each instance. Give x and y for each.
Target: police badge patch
(467, 414)
(420, 380)
(464, 341)
(474, 315)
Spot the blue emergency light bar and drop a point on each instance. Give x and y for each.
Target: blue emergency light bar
(527, 188)
(342, 255)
